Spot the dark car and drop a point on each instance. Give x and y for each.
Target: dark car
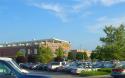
(118, 71)
(42, 67)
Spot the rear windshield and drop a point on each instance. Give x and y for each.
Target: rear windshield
(56, 63)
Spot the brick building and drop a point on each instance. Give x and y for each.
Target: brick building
(74, 52)
(30, 47)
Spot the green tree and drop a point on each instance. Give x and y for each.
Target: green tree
(20, 57)
(79, 56)
(113, 47)
(45, 54)
(85, 56)
(60, 52)
(98, 54)
(93, 56)
(19, 53)
(70, 56)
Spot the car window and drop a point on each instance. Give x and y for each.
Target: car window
(63, 63)
(118, 65)
(55, 63)
(15, 65)
(6, 72)
(4, 69)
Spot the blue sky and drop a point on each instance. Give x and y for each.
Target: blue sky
(78, 21)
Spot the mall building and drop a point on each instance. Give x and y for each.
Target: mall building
(31, 47)
(75, 51)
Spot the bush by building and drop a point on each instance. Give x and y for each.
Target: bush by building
(32, 58)
(21, 59)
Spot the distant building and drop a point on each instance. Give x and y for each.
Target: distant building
(74, 52)
(30, 47)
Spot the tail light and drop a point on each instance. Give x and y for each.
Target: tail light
(117, 70)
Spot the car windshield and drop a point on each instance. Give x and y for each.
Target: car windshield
(15, 66)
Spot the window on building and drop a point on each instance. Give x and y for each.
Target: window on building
(28, 51)
(35, 51)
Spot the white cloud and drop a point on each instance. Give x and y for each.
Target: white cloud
(54, 8)
(111, 2)
(64, 11)
(103, 21)
(83, 4)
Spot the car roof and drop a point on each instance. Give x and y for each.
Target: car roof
(5, 58)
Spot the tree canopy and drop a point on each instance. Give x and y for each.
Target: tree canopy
(85, 56)
(70, 56)
(19, 53)
(79, 56)
(60, 52)
(45, 54)
(20, 57)
(113, 44)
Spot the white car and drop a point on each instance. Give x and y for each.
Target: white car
(54, 65)
(82, 67)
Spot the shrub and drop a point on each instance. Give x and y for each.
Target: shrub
(58, 59)
(92, 73)
(21, 59)
(108, 70)
(32, 58)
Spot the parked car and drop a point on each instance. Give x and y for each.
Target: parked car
(34, 66)
(118, 71)
(52, 66)
(68, 68)
(82, 67)
(24, 65)
(42, 67)
(10, 69)
(31, 66)
(62, 68)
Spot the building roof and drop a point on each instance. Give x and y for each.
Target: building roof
(21, 43)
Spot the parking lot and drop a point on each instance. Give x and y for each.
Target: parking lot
(55, 70)
(64, 75)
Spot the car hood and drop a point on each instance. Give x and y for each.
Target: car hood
(35, 76)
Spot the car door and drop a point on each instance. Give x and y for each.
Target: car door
(6, 72)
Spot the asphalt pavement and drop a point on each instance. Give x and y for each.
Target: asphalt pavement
(65, 75)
